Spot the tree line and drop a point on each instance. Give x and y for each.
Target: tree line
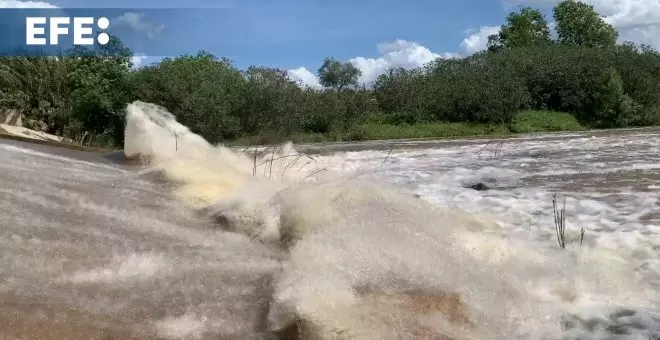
(578, 68)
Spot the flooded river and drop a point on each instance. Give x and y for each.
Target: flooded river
(375, 240)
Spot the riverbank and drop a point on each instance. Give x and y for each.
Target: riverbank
(4, 134)
(524, 122)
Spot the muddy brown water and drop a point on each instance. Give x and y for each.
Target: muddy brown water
(94, 249)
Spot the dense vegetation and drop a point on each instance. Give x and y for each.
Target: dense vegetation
(582, 71)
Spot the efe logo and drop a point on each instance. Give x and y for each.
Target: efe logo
(82, 26)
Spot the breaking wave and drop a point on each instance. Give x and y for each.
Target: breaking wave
(366, 260)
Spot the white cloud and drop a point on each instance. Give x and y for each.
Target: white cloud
(25, 4)
(636, 20)
(134, 20)
(478, 41)
(398, 53)
(304, 77)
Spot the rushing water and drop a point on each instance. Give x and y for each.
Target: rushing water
(203, 244)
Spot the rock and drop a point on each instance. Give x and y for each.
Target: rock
(479, 187)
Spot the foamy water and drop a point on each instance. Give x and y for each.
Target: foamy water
(610, 182)
(204, 244)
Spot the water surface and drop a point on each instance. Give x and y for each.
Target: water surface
(93, 248)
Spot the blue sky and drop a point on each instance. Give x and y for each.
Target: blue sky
(372, 34)
(295, 33)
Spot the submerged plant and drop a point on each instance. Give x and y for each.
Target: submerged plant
(560, 223)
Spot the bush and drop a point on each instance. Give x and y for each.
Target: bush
(541, 121)
(596, 84)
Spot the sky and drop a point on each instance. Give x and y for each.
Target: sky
(374, 35)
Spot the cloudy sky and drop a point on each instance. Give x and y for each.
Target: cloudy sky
(372, 34)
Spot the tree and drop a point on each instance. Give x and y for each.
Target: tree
(608, 97)
(100, 88)
(272, 101)
(35, 86)
(397, 92)
(584, 73)
(203, 92)
(524, 29)
(579, 24)
(337, 75)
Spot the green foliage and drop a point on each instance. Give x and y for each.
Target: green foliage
(35, 87)
(520, 84)
(524, 29)
(220, 102)
(579, 24)
(542, 121)
(205, 93)
(325, 111)
(523, 122)
(99, 85)
(273, 102)
(422, 130)
(337, 75)
(70, 95)
(474, 89)
(609, 98)
(398, 94)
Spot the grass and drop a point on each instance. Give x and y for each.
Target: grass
(272, 153)
(524, 122)
(560, 223)
(426, 130)
(544, 121)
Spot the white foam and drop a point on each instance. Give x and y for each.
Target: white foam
(77, 163)
(353, 233)
(131, 267)
(184, 327)
(343, 246)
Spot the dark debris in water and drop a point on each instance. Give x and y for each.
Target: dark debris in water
(624, 322)
(479, 187)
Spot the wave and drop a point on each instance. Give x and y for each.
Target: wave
(366, 260)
